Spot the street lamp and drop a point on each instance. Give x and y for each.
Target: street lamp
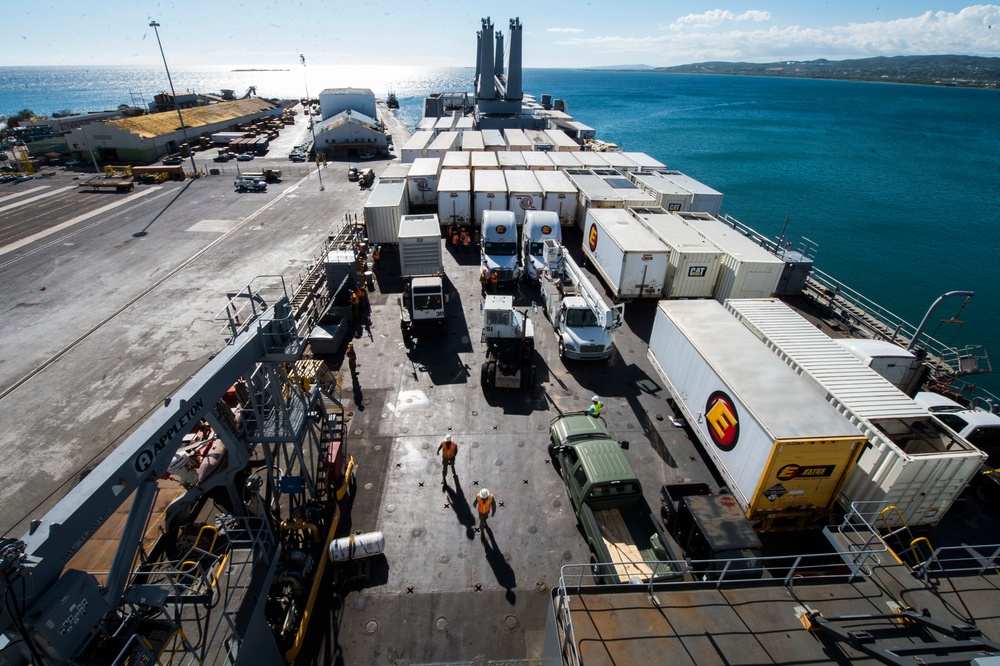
(154, 25)
(312, 125)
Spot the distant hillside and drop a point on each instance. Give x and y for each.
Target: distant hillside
(622, 68)
(942, 70)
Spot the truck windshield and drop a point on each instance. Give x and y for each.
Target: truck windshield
(427, 302)
(500, 249)
(535, 248)
(580, 317)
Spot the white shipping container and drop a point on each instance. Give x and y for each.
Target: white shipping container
(489, 192)
(396, 170)
(748, 270)
(422, 181)
(538, 161)
(493, 140)
(782, 450)
(427, 125)
(565, 160)
(561, 141)
(703, 198)
(511, 160)
(444, 124)
(455, 159)
(539, 140)
(694, 264)
(516, 139)
(669, 195)
(455, 196)
(484, 159)
(913, 461)
(444, 142)
(620, 161)
(523, 193)
(420, 251)
(645, 162)
(593, 193)
(472, 140)
(415, 146)
(464, 124)
(626, 189)
(386, 204)
(630, 259)
(591, 160)
(559, 195)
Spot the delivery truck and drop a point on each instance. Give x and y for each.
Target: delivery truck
(782, 450)
(911, 461)
(628, 257)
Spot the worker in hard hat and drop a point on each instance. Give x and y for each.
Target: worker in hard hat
(486, 504)
(595, 406)
(448, 448)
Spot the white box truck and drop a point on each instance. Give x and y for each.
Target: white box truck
(628, 257)
(694, 264)
(748, 270)
(784, 452)
(559, 195)
(387, 203)
(912, 461)
(523, 193)
(455, 196)
(422, 181)
(420, 251)
(489, 191)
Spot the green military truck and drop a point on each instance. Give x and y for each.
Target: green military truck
(626, 543)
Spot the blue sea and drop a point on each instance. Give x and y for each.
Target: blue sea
(896, 186)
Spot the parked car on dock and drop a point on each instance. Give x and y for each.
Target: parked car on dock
(244, 157)
(173, 160)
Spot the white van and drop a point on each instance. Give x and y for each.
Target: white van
(539, 226)
(498, 240)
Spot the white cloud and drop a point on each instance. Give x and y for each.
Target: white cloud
(974, 30)
(563, 30)
(718, 17)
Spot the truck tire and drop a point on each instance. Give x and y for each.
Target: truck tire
(562, 350)
(595, 570)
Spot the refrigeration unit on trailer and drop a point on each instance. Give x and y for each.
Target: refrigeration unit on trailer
(415, 146)
(420, 250)
(523, 193)
(911, 460)
(559, 195)
(489, 192)
(748, 270)
(422, 181)
(783, 451)
(455, 196)
(593, 193)
(704, 198)
(693, 267)
(387, 203)
(628, 257)
(669, 195)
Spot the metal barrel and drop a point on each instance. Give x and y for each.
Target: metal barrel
(357, 547)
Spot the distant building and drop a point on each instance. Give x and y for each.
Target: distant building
(335, 100)
(350, 134)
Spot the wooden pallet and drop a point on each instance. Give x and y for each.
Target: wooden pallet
(618, 540)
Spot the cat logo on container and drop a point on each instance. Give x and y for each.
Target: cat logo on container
(697, 271)
(723, 423)
(789, 472)
(546, 229)
(501, 229)
(592, 237)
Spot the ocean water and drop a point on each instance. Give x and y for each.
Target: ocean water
(897, 187)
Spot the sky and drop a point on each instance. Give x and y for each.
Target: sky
(557, 33)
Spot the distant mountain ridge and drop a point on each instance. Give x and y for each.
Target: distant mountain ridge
(951, 70)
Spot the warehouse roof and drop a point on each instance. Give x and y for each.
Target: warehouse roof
(159, 124)
(347, 91)
(348, 116)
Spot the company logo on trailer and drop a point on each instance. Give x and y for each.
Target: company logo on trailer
(723, 423)
(421, 184)
(697, 271)
(527, 203)
(546, 229)
(592, 237)
(501, 229)
(789, 472)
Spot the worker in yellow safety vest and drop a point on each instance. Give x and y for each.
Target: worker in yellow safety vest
(595, 407)
(486, 504)
(448, 448)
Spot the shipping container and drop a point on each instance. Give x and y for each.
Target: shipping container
(593, 193)
(620, 161)
(444, 124)
(703, 198)
(626, 189)
(590, 160)
(748, 270)
(561, 141)
(559, 195)
(484, 159)
(538, 161)
(562, 161)
(511, 160)
(516, 139)
(912, 461)
(422, 181)
(420, 251)
(669, 195)
(427, 125)
(783, 451)
(386, 204)
(225, 138)
(489, 192)
(472, 140)
(464, 124)
(645, 162)
(455, 159)
(455, 196)
(630, 259)
(694, 264)
(442, 143)
(523, 193)
(539, 140)
(493, 140)
(415, 146)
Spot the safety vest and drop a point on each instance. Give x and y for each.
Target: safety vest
(449, 450)
(494, 277)
(595, 409)
(354, 298)
(485, 505)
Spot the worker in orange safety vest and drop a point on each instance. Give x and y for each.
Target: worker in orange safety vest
(486, 504)
(448, 448)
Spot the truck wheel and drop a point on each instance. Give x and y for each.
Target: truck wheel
(492, 373)
(484, 375)
(595, 570)
(562, 350)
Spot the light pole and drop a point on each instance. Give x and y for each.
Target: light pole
(312, 125)
(154, 25)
